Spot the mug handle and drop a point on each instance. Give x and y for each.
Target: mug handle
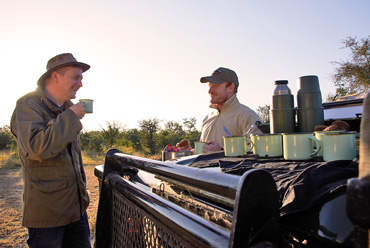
(250, 141)
(318, 146)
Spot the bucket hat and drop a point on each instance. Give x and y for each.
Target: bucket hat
(59, 61)
(221, 75)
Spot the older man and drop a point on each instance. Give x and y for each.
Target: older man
(228, 112)
(47, 125)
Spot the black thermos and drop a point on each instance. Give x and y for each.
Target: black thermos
(310, 111)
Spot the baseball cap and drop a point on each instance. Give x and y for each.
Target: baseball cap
(221, 75)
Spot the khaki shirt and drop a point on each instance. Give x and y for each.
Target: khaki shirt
(54, 190)
(236, 117)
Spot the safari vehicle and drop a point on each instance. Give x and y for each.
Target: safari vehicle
(348, 108)
(212, 201)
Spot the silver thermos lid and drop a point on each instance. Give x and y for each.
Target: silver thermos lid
(281, 88)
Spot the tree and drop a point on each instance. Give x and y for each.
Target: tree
(91, 141)
(353, 75)
(338, 92)
(131, 138)
(264, 113)
(190, 123)
(148, 134)
(111, 134)
(172, 133)
(174, 127)
(192, 134)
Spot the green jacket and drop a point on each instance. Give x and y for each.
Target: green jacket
(54, 191)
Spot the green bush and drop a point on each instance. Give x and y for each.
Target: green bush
(12, 162)
(6, 138)
(149, 138)
(91, 141)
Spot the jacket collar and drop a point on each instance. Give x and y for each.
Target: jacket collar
(228, 104)
(47, 101)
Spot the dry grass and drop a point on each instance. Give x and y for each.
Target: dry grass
(93, 188)
(12, 234)
(9, 160)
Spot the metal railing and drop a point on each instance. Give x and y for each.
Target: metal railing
(132, 216)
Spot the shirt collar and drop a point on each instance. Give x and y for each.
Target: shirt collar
(61, 108)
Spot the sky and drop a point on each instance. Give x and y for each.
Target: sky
(147, 57)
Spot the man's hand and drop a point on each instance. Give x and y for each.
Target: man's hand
(78, 109)
(211, 146)
(184, 145)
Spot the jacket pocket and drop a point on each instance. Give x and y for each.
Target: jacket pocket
(49, 186)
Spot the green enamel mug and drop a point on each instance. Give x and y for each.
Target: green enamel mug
(300, 146)
(339, 146)
(269, 145)
(318, 135)
(237, 146)
(88, 103)
(254, 141)
(199, 147)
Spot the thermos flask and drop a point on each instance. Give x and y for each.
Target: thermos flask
(310, 111)
(282, 113)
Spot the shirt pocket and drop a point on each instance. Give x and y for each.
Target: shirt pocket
(57, 160)
(49, 186)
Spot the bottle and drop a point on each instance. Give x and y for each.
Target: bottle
(282, 113)
(310, 111)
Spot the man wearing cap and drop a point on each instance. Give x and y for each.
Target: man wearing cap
(47, 126)
(228, 112)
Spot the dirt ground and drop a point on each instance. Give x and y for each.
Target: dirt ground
(12, 234)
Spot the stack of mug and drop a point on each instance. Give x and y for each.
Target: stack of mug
(331, 145)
